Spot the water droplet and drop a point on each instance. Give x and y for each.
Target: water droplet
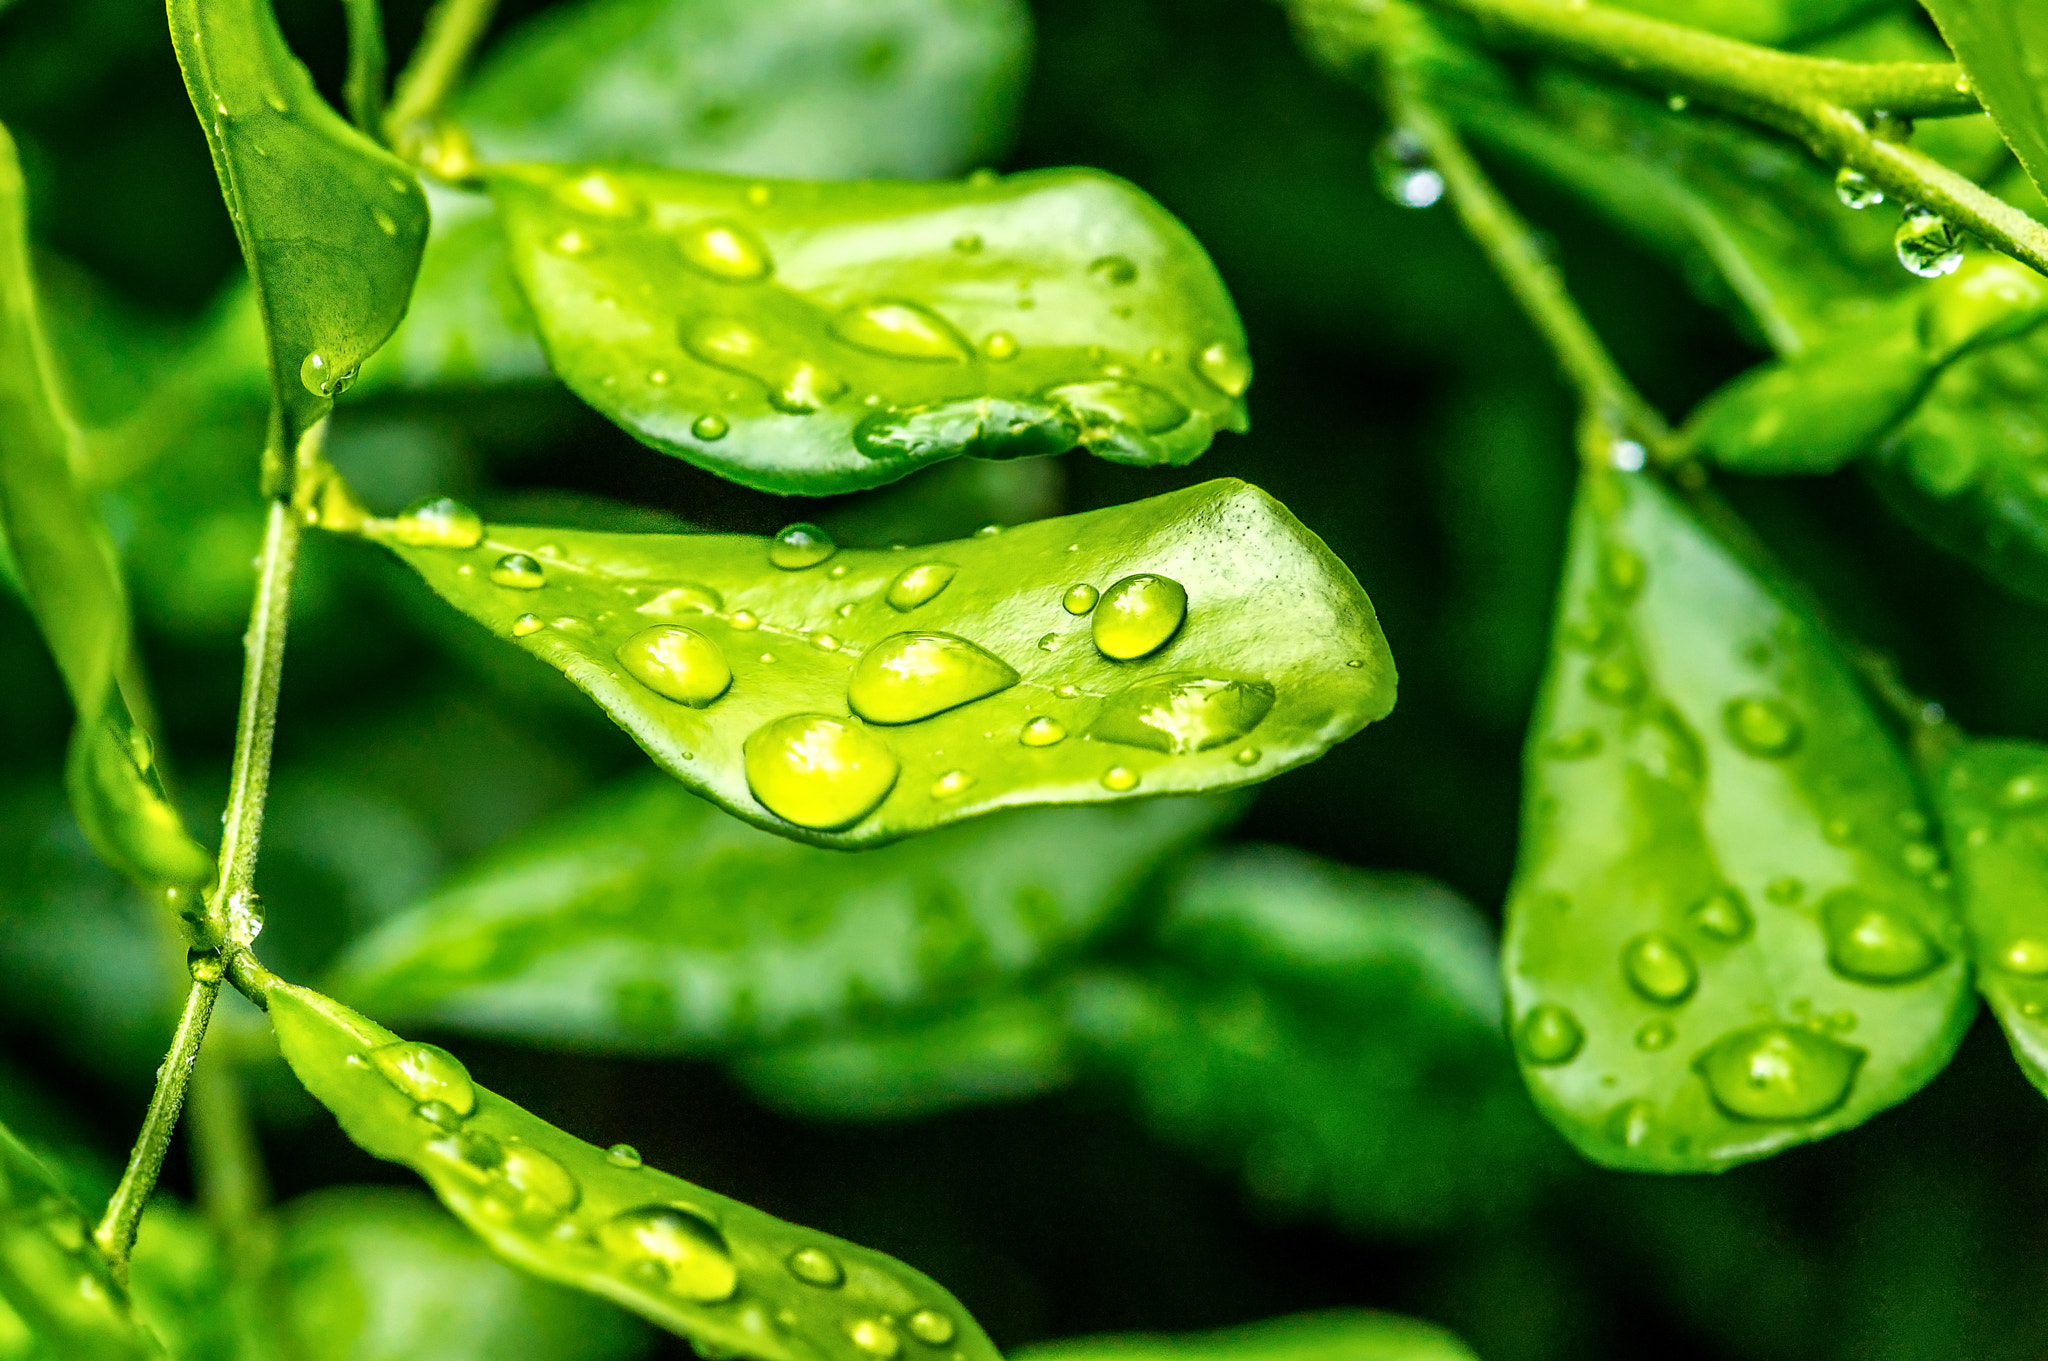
(1723, 915)
(1080, 599)
(1042, 731)
(544, 1186)
(658, 377)
(1778, 1072)
(1182, 713)
(1875, 943)
(1617, 678)
(1576, 745)
(676, 663)
(1115, 270)
(1000, 346)
(1406, 176)
(930, 1327)
(684, 599)
(796, 386)
(744, 620)
(1120, 778)
(818, 771)
(725, 250)
(1656, 1035)
(571, 242)
(426, 1072)
(526, 625)
(599, 194)
(952, 783)
(1549, 1035)
(825, 642)
(205, 966)
(1627, 455)
(1762, 726)
(1659, 968)
(320, 377)
(1927, 243)
(968, 243)
(683, 1248)
(914, 586)
(1048, 642)
(1621, 569)
(875, 1337)
(2023, 792)
(1249, 756)
(815, 1266)
(1855, 190)
(1224, 367)
(1102, 407)
(1137, 615)
(385, 222)
(902, 330)
(518, 572)
(623, 1155)
(800, 545)
(988, 531)
(1630, 1124)
(709, 427)
(911, 676)
(439, 522)
(439, 1114)
(2024, 956)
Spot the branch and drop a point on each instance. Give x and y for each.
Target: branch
(453, 30)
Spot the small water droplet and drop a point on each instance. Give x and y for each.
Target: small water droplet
(1659, 968)
(676, 1246)
(1762, 726)
(1855, 189)
(876, 1338)
(1048, 642)
(1405, 173)
(518, 572)
(2024, 956)
(2023, 793)
(426, 1072)
(439, 1114)
(1247, 756)
(1677, 103)
(818, 771)
(988, 531)
(797, 546)
(439, 522)
(951, 784)
(1617, 678)
(930, 1327)
(725, 250)
(744, 620)
(911, 676)
(526, 625)
(902, 330)
(1115, 270)
(815, 1266)
(1631, 1123)
(915, 586)
(1778, 1072)
(1224, 367)
(1873, 942)
(1120, 778)
(709, 427)
(1137, 615)
(1182, 713)
(676, 663)
(1927, 243)
(386, 223)
(1723, 915)
(999, 346)
(796, 386)
(1550, 1035)
(600, 195)
(1080, 599)
(1656, 1035)
(571, 242)
(1042, 731)
(623, 1155)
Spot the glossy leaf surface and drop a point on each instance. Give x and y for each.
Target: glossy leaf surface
(650, 921)
(330, 224)
(1728, 932)
(1277, 655)
(720, 1273)
(51, 1276)
(818, 338)
(65, 567)
(1334, 1335)
(2003, 46)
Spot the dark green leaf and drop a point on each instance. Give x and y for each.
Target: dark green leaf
(817, 338)
(721, 1273)
(1728, 932)
(980, 688)
(651, 921)
(1335, 1335)
(51, 1277)
(68, 578)
(331, 225)
(2003, 46)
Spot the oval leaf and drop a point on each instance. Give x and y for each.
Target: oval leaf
(331, 225)
(720, 1273)
(652, 922)
(1727, 932)
(1333, 1335)
(52, 1276)
(790, 693)
(819, 338)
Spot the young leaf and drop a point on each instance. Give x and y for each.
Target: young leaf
(52, 1276)
(1728, 932)
(331, 225)
(66, 570)
(1333, 1335)
(2003, 46)
(649, 921)
(820, 338)
(720, 1273)
(851, 697)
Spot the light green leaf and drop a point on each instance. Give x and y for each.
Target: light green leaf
(1333, 1335)
(650, 921)
(331, 225)
(720, 1273)
(812, 704)
(819, 338)
(1728, 932)
(51, 1277)
(2003, 46)
(847, 89)
(68, 579)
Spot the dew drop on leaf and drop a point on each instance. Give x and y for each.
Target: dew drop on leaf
(1762, 726)
(876, 1338)
(1402, 167)
(911, 676)
(518, 572)
(902, 330)
(438, 522)
(1778, 1072)
(1549, 1034)
(1617, 679)
(1182, 714)
(952, 784)
(1631, 1123)
(1000, 346)
(542, 1183)
(725, 250)
(1855, 189)
(1223, 367)
(1101, 407)
(2024, 956)
(2023, 793)
(818, 771)
(1656, 1035)
(688, 598)
(1120, 779)
(426, 1072)
(1080, 598)
(710, 427)
(571, 242)
(744, 620)
(915, 586)
(1115, 270)
(687, 1250)
(1873, 943)
(797, 546)
(1137, 615)
(600, 195)
(1249, 756)
(526, 625)
(623, 1155)
(1659, 969)
(676, 663)
(1722, 915)
(815, 1266)
(1042, 731)
(930, 1327)
(1927, 243)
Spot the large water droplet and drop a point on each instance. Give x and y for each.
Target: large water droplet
(518, 572)
(1549, 1034)
(1659, 968)
(543, 1185)
(818, 771)
(902, 330)
(1723, 915)
(686, 1249)
(1778, 1072)
(800, 545)
(795, 385)
(425, 1073)
(930, 1327)
(815, 1266)
(1404, 171)
(1042, 731)
(909, 676)
(1927, 243)
(1103, 406)
(1856, 190)
(1762, 726)
(876, 1338)
(1182, 713)
(1875, 943)
(914, 586)
(676, 663)
(725, 250)
(1137, 615)
(438, 522)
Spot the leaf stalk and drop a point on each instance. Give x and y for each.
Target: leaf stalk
(453, 30)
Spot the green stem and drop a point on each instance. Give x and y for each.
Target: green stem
(363, 89)
(452, 31)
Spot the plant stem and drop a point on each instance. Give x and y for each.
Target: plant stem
(363, 88)
(452, 31)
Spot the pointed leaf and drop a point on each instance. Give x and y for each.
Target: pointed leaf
(817, 338)
(66, 569)
(720, 1273)
(652, 922)
(1728, 932)
(1332, 1335)
(2003, 46)
(331, 225)
(1277, 655)
(52, 1276)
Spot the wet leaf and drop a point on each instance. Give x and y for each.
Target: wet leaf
(65, 567)
(330, 224)
(851, 697)
(650, 921)
(817, 338)
(1333, 1335)
(1728, 932)
(51, 1276)
(2003, 46)
(720, 1273)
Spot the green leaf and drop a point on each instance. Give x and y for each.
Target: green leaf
(650, 921)
(720, 1273)
(2003, 46)
(331, 225)
(1772, 22)
(51, 1276)
(1833, 401)
(1728, 932)
(992, 692)
(184, 1292)
(1332, 1335)
(68, 578)
(1332, 1034)
(887, 89)
(819, 338)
